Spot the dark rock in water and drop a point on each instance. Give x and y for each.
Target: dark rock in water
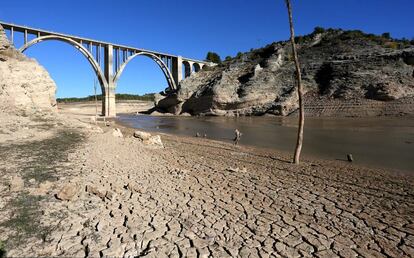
(345, 73)
(350, 158)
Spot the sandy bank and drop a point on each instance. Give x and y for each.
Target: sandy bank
(87, 109)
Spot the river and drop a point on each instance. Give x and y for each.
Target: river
(375, 142)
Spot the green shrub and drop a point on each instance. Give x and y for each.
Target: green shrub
(392, 45)
(299, 39)
(318, 30)
(213, 57)
(3, 252)
(207, 68)
(352, 34)
(386, 35)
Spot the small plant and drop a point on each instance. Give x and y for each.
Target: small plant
(46, 157)
(3, 251)
(352, 34)
(386, 35)
(299, 39)
(213, 57)
(318, 30)
(392, 45)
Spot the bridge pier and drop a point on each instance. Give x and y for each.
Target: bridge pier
(108, 93)
(109, 102)
(177, 67)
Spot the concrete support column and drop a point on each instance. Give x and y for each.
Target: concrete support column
(108, 100)
(109, 103)
(25, 37)
(177, 69)
(12, 35)
(191, 67)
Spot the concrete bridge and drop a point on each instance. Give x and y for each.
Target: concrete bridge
(109, 60)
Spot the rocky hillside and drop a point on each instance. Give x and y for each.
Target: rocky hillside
(25, 87)
(347, 73)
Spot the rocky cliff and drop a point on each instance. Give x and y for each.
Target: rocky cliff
(347, 73)
(25, 86)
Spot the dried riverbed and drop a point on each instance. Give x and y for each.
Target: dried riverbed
(200, 198)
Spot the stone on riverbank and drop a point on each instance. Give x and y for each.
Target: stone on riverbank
(117, 133)
(143, 136)
(148, 139)
(68, 192)
(154, 141)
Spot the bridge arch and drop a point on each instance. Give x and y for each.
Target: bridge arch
(160, 63)
(196, 67)
(78, 46)
(186, 69)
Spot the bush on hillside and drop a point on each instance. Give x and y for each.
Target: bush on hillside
(213, 57)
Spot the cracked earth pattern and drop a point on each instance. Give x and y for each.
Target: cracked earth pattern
(201, 198)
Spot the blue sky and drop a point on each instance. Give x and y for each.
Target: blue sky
(187, 28)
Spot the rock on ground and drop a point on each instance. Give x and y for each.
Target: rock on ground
(16, 183)
(143, 136)
(154, 141)
(116, 132)
(68, 192)
(148, 139)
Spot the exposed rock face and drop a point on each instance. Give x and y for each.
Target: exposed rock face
(336, 65)
(25, 86)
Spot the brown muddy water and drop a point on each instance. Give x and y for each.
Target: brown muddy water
(375, 142)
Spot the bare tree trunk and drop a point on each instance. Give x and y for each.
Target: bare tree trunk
(299, 140)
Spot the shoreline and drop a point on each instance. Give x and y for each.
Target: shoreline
(276, 151)
(272, 153)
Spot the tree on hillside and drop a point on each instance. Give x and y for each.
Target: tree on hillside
(213, 57)
(386, 35)
(318, 30)
(299, 140)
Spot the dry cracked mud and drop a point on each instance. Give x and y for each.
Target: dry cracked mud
(203, 198)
